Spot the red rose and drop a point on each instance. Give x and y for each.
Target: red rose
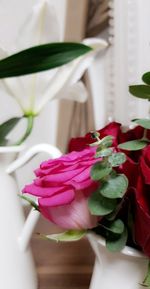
(137, 170)
(142, 203)
(80, 143)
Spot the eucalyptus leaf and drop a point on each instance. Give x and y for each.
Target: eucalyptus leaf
(117, 159)
(6, 127)
(133, 145)
(30, 201)
(144, 122)
(116, 227)
(107, 141)
(146, 78)
(114, 187)
(100, 170)
(117, 244)
(40, 58)
(67, 236)
(140, 91)
(103, 152)
(101, 206)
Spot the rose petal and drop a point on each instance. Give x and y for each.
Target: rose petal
(63, 198)
(74, 216)
(43, 191)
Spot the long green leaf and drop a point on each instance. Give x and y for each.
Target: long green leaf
(68, 236)
(30, 201)
(6, 127)
(40, 58)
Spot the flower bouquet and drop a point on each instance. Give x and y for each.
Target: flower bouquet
(102, 186)
(38, 70)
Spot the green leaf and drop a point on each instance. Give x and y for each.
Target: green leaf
(133, 145)
(140, 91)
(117, 244)
(40, 58)
(94, 144)
(146, 281)
(144, 122)
(117, 159)
(107, 141)
(103, 152)
(100, 170)
(6, 127)
(146, 78)
(114, 187)
(68, 236)
(30, 201)
(101, 206)
(116, 227)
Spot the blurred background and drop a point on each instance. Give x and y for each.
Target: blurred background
(125, 25)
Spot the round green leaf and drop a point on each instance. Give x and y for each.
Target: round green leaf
(103, 152)
(101, 206)
(100, 170)
(144, 122)
(117, 244)
(140, 91)
(117, 159)
(107, 141)
(116, 227)
(133, 145)
(146, 78)
(114, 187)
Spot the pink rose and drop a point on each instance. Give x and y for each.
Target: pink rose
(63, 186)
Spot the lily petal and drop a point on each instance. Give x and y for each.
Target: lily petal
(40, 27)
(76, 92)
(71, 73)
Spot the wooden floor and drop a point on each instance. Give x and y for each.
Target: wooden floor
(61, 266)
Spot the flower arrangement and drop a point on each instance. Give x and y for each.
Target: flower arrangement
(102, 185)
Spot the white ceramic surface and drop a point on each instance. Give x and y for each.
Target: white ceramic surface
(122, 270)
(17, 269)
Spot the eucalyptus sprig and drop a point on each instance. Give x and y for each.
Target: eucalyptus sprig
(112, 187)
(140, 91)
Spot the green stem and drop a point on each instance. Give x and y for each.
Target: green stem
(29, 128)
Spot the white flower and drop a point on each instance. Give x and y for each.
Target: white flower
(33, 91)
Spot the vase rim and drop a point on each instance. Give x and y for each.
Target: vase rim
(128, 251)
(11, 149)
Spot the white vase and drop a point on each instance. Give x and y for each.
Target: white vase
(17, 270)
(121, 270)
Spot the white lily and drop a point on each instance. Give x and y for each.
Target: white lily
(32, 92)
